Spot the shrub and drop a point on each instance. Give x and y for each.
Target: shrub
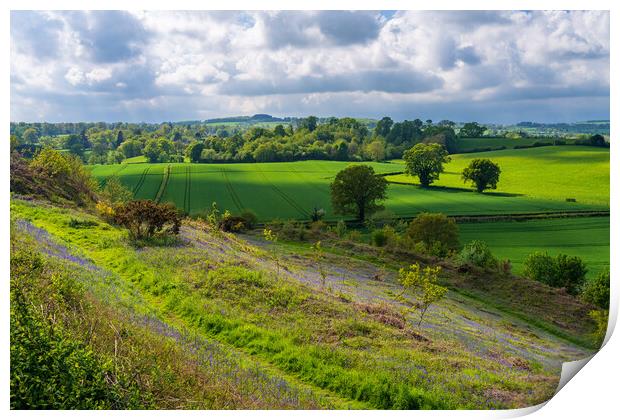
(54, 176)
(562, 271)
(381, 218)
(379, 238)
(341, 228)
(601, 319)
(250, 218)
(477, 253)
(230, 223)
(145, 218)
(596, 290)
(436, 231)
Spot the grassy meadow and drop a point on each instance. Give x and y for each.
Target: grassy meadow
(551, 173)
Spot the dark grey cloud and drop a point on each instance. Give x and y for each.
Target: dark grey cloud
(109, 35)
(347, 27)
(468, 55)
(390, 81)
(338, 26)
(35, 33)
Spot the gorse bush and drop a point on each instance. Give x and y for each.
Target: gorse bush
(249, 218)
(561, 271)
(144, 218)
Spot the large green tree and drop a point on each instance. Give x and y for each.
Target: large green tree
(425, 161)
(483, 173)
(356, 190)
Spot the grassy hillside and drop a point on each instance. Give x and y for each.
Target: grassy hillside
(533, 180)
(553, 173)
(284, 338)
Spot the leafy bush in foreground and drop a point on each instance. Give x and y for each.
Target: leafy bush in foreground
(50, 369)
(562, 271)
(145, 218)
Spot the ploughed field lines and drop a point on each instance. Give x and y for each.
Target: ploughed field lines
(532, 181)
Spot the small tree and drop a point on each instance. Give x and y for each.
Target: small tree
(435, 231)
(596, 290)
(357, 189)
(425, 161)
(423, 284)
(145, 218)
(483, 173)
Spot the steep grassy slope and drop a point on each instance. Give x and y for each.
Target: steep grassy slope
(346, 343)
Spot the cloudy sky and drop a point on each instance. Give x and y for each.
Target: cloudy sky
(166, 66)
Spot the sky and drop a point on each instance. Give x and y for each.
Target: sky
(487, 66)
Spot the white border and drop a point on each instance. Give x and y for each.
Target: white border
(591, 394)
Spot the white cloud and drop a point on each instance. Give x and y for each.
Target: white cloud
(309, 62)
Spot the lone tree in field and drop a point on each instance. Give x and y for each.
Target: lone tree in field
(426, 162)
(483, 173)
(356, 190)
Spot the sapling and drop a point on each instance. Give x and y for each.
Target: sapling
(423, 284)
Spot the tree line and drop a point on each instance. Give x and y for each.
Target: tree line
(346, 139)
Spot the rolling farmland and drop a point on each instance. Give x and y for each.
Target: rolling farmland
(290, 190)
(587, 237)
(554, 173)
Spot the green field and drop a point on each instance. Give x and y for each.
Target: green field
(554, 173)
(533, 180)
(586, 237)
(469, 144)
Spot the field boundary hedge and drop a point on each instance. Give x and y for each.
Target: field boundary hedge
(482, 218)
